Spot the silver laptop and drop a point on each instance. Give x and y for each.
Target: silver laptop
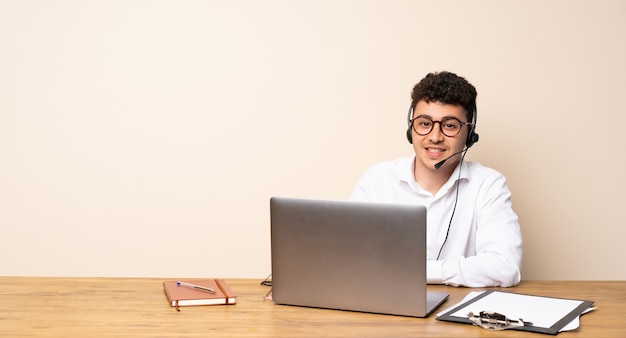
(351, 256)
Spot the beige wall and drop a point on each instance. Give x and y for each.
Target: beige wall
(144, 138)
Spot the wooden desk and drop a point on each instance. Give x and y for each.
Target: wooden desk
(136, 307)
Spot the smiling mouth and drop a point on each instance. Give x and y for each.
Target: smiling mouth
(435, 150)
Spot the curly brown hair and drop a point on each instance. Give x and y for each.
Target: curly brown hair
(446, 87)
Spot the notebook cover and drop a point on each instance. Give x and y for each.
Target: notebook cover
(183, 296)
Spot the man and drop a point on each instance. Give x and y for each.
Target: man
(473, 235)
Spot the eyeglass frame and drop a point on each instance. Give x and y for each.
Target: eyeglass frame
(432, 126)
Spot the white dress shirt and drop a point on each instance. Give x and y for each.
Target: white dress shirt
(484, 245)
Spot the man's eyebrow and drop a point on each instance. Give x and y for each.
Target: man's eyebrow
(443, 118)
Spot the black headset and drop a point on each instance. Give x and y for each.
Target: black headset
(472, 137)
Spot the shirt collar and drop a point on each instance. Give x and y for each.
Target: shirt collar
(406, 175)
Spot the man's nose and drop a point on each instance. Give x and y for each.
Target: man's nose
(435, 134)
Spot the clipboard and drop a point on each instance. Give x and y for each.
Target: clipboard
(539, 314)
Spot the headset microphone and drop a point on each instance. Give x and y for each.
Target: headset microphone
(440, 163)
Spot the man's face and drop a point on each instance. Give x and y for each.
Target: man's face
(435, 146)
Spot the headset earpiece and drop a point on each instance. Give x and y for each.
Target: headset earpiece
(472, 137)
(409, 130)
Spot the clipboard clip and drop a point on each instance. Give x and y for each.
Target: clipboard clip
(495, 321)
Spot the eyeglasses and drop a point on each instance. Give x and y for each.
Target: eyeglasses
(449, 126)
